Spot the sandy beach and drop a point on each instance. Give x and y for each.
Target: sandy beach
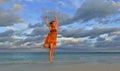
(60, 67)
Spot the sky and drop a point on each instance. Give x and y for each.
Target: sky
(84, 25)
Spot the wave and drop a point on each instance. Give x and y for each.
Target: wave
(47, 62)
(17, 63)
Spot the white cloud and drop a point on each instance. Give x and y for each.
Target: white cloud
(17, 7)
(108, 39)
(116, 33)
(4, 1)
(77, 3)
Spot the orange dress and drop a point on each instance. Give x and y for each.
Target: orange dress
(51, 38)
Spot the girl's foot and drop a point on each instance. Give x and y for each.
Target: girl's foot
(50, 61)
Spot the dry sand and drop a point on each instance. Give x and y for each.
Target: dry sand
(61, 67)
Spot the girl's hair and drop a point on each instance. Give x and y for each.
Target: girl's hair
(51, 22)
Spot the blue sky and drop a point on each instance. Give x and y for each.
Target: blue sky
(84, 25)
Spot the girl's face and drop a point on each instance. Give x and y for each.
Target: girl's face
(53, 24)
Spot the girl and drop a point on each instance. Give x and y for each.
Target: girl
(50, 40)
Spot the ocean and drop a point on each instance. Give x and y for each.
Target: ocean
(60, 57)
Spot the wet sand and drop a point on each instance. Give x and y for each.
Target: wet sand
(60, 67)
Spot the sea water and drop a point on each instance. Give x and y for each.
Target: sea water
(60, 57)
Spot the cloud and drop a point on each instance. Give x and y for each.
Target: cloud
(7, 36)
(101, 44)
(35, 25)
(77, 3)
(17, 7)
(4, 1)
(73, 44)
(7, 39)
(100, 10)
(108, 39)
(39, 31)
(27, 0)
(112, 44)
(94, 32)
(8, 18)
(94, 9)
(64, 19)
(30, 0)
(68, 5)
(70, 38)
(16, 41)
(26, 40)
(7, 33)
(60, 3)
(116, 33)
(30, 42)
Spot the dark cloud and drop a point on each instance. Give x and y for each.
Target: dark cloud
(93, 9)
(7, 33)
(117, 38)
(7, 36)
(7, 39)
(110, 19)
(100, 39)
(113, 44)
(8, 18)
(94, 32)
(38, 31)
(36, 25)
(64, 19)
(30, 40)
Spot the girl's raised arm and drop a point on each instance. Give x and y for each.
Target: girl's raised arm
(56, 18)
(47, 22)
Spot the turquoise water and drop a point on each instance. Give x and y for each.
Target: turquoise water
(60, 57)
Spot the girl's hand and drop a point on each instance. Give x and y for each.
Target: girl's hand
(46, 17)
(55, 15)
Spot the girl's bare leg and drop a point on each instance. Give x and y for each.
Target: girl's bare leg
(51, 53)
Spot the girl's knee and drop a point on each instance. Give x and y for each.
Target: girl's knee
(46, 45)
